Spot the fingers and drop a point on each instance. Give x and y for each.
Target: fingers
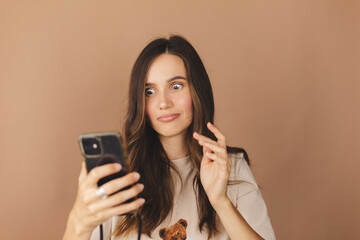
(199, 137)
(119, 183)
(102, 171)
(114, 186)
(217, 133)
(124, 208)
(213, 147)
(117, 198)
(94, 208)
(217, 158)
(220, 137)
(206, 159)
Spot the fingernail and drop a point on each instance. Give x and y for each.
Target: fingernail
(141, 200)
(117, 166)
(141, 186)
(136, 176)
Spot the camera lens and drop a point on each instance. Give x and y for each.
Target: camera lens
(91, 146)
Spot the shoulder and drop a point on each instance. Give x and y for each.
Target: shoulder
(240, 169)
(241, 174)
(245, 194)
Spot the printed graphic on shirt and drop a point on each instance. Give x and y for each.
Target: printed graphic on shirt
(174, 232)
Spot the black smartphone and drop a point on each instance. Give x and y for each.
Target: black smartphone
(103, 148)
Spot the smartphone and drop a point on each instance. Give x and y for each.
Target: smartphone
(103, 148)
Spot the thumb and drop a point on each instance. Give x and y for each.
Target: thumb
(206, 159)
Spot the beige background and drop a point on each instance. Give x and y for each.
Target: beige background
(285, 76)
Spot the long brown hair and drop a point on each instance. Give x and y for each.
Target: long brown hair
(145, 152)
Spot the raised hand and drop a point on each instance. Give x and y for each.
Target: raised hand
(215, 165)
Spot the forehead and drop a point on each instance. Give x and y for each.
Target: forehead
(165, 67)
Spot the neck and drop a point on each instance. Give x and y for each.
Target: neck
(174, 146)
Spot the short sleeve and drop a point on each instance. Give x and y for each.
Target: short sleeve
(247, 198)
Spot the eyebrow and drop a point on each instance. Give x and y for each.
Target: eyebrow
(169, 80)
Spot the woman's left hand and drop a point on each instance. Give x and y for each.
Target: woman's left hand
(215, 165)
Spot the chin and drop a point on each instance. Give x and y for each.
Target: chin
(171, 131)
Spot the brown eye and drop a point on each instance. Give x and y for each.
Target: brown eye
(149, 91)
(177, 86)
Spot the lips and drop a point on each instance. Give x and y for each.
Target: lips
(168, 117)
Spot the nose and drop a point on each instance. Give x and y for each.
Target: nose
(165, 101)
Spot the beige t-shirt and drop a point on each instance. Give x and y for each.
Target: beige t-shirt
(245, 196)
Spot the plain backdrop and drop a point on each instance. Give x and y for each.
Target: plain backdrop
(286, 81)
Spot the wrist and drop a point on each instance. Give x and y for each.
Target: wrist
(221, 204)
(75, 229)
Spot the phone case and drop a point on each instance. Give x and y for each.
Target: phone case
(103, 148)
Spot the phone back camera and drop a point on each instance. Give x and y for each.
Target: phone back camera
(91, 146)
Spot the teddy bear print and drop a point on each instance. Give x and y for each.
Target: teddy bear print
(174, 232)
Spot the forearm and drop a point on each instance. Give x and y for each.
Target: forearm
(233, 222)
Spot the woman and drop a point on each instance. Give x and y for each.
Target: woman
(191, 185)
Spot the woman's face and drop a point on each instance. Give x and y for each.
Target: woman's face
(168, 97)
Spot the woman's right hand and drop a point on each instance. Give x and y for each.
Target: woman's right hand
(91, 210)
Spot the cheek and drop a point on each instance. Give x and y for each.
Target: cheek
(148, 109)
(186, 102)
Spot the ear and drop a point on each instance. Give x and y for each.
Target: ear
(183, 222)
(162, 233)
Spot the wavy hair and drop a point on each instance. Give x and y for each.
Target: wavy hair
(145, 152)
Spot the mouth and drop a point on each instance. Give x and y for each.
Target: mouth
(168, 117)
